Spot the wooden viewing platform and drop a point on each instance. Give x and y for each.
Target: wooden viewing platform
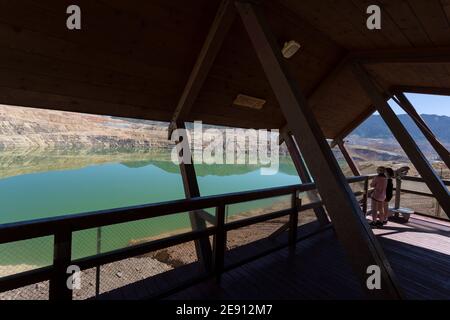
(168, 61)
(419, 252)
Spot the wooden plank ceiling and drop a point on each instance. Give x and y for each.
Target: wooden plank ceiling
(133, 58)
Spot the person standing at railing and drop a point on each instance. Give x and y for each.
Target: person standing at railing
(389, 173)
(379, 183)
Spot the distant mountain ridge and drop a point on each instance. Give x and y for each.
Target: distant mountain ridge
(375, 128)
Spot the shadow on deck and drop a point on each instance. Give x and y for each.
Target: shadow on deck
(418, 251)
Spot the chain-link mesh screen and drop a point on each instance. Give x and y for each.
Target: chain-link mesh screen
(242, 236)
(249, 209)
(423, 205)
(420, 204)
(131, 278)
(306, 217)
(26, 255)
(104, 239)
(88, 285)
(109, 277)
(36, 291)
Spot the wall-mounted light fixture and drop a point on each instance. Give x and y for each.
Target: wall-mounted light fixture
(243, 100)
(290, 48)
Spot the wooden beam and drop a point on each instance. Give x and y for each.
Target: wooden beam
(191, 190)
(403, 55)
(351, 227)
(422, 90)
(357, 122)
(299, 164)
(219, 29)
(351, 163)
(406, 105)
(62, 255)
(304, 175)
(404, 138)
(318, 90)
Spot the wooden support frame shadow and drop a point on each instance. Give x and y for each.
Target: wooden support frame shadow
(408, 144)
(348, 158)
(303, 173)
(349, 223)
(408, 107)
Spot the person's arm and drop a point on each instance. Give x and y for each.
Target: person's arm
(373, 184)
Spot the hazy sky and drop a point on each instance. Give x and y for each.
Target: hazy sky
(427, 104)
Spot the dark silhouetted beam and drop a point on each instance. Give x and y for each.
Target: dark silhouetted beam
(351, 163)
(217, 33)
(408, 144)
(403, 55)
(349, 223)
(304, 175)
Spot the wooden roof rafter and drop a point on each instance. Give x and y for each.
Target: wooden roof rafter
(404, 55)
(217, 33)
(422, 90)
(424, 55)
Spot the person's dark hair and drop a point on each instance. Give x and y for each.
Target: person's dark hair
(390, 172)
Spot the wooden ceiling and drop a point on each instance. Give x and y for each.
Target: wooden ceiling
(133, 58)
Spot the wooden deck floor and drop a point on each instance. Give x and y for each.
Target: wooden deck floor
(419, 253)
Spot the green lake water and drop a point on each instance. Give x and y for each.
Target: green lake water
(46, 183)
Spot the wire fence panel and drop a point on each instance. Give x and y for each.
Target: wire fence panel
(36, 291)
(418, 203)
(137, 277)
(104, 239)
(250, 209)
(109, 277)
(25, 255)
(306, 217)
(263, 230)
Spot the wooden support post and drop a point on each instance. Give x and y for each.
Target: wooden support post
(304, 175)
(398, 192)
(351, 227)
(62, 254)
(217, 33)
(191, 190)
(351, 163)
(406, 105)
(293, 219)
(219, 243)
(98, 268)
(408, 144)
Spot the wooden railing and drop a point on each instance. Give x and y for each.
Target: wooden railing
(63, 227)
